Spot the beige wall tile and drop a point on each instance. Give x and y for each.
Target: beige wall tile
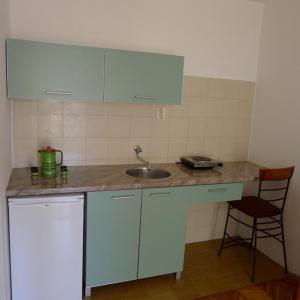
(74, 126)
(216, 88)
(247, 90)
(177, 146)
(25, 126)
(214, 108)
(84, 108)
(178, 127)
(182, 110)
(143, 110)
(96, 162)
(229, 127)
(158, 148)
(213, 127)
(51, 107)
(159, 160)
(49, 126)
(213, 113)
(118, 126)
(245, 108)
(212, 147)
(159, 127)
(195, 146)
(196, 127)
(24, 107)
(117, 109)
(140, 127)
(200, 86)
(74, 149)
(244, 127)
(75, 163)
(230, 108)
(241, 150)
(232, 89)
(25, 152)
(96, 149)
(118, 150)
(198, 107)
(97, 126)
(117, 161)
(227, 146)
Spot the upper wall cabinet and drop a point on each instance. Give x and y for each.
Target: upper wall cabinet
(37, 70)
(143, 77)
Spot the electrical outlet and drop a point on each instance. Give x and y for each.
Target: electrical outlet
(161, 113)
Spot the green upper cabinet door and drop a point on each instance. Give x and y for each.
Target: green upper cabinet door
(112, 237)
(143, 77)
(37, 70)
(163, 230)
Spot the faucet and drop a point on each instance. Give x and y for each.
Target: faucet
(138, 150)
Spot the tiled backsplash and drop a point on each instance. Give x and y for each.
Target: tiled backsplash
(214, 119)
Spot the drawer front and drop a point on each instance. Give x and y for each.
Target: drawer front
(113, 222)
(213, 192)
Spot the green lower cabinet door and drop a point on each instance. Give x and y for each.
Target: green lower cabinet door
(163, 230)
(113, 222)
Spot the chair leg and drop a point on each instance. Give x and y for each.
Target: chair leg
(252, 235)
(283, 246)
(225, 230)
(254, 250)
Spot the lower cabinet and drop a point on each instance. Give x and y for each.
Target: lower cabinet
(163, 231)
(113, 230)
(135, 234)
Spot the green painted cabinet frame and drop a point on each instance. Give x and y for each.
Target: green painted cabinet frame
(139, 77)
(113, 229)
(41, 71)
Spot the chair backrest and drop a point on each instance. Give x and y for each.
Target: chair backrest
(274, 176)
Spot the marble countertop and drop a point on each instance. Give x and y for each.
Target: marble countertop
(112, 177)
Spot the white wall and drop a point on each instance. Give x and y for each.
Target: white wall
(275, 137)
(219, 38)
(5, 154)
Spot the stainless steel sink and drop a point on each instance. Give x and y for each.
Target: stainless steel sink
(148, 173)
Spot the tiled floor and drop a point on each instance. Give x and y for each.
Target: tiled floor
(204, 274)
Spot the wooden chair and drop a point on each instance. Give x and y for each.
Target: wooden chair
(267, 218)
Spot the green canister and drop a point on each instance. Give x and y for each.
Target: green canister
(48, 161)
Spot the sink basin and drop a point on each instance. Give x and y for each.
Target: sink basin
(146, 173)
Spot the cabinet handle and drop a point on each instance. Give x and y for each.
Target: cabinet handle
(122, 197)
(57, 93)
(218, 190)
(159, 194)
(146, 97)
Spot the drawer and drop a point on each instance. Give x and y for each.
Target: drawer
(213, 192)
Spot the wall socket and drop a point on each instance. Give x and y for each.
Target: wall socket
(161, 113)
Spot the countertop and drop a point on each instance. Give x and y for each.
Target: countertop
(112, 177)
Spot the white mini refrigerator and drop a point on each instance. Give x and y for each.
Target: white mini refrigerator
(46, 247)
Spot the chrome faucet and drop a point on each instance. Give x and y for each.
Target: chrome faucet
(138, 150)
